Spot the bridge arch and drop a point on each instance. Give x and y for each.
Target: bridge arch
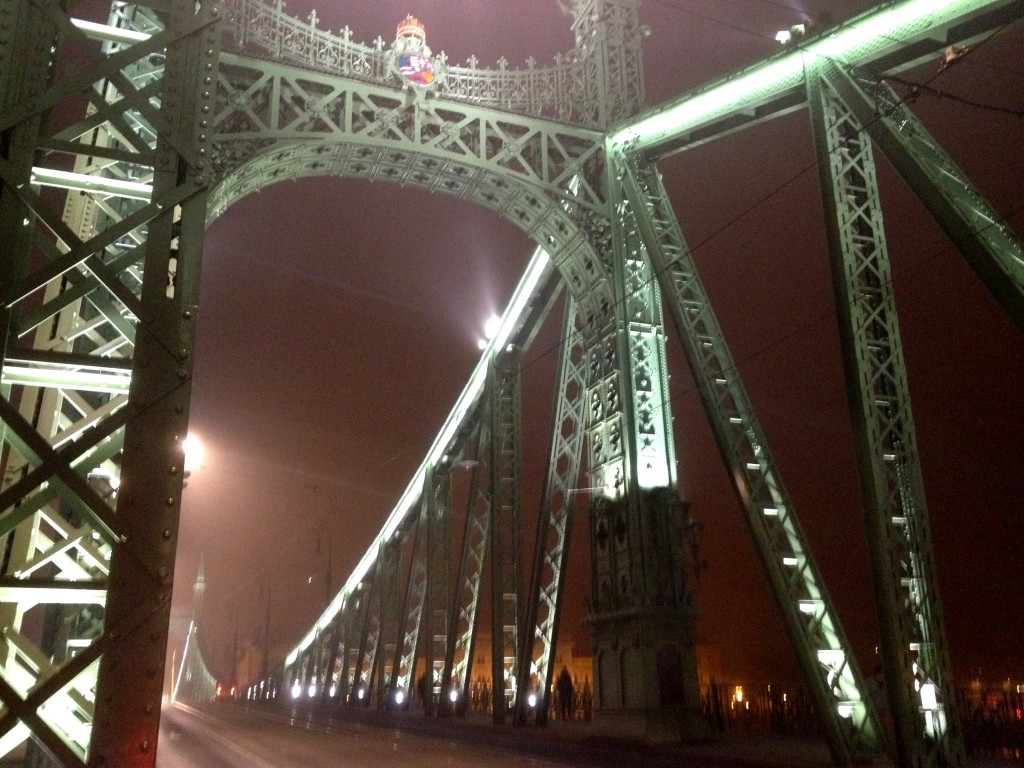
(567, 240)
(277, 121)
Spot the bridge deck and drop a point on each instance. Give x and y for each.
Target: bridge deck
(367, 738)
(272, 736)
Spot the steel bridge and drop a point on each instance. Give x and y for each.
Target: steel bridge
(155, 119)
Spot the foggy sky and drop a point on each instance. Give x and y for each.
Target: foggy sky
(339, 320)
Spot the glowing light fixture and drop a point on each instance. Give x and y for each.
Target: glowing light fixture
(83, 182)
(929, 699)
(193, 452)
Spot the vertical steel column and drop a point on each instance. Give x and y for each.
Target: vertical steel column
(608, 44)
(915, 653)
(809, 617)
(458, 667)
(137, 257)
(26, 67)
(438, 598)
(139, 597)
(551, 553)
(391, 596)
(354, 619)
(409, 588)
(407, 651)
(369, 638)
(328, 681)
(504, 406)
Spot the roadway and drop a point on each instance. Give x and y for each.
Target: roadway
(227, 736)
(234, 736)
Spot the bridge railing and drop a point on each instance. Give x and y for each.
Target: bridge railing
(264, 30)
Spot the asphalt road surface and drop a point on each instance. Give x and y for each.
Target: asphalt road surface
(234, 736)
(226, 736)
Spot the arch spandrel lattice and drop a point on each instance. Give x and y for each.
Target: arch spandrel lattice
(279, 123)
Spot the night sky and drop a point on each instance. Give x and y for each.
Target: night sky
(339, 321)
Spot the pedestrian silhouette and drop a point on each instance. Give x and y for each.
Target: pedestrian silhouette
(565, 694)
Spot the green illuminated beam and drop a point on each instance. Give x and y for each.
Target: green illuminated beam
(85, 381)
(511, 322)
(890, 38)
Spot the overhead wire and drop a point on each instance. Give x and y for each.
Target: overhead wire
(761, 201)
(915, 89)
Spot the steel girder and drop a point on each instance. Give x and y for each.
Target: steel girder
(506, 539)
(988, 245)
(888, 38)
(458, 663)
(277, 122)
(808, 615)
(105, 290)
(267, 106)
(916, 655)
(551, 551)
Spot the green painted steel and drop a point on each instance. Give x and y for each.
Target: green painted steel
(99, 312)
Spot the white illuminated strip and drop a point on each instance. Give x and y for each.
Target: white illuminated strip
(84, 182)
(14, 738)
(184, 657)
(536, 270)
(869, 35)
(111, 383)
(112, 34)
(52, 594)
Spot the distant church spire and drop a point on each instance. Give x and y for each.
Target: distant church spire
(198, 590)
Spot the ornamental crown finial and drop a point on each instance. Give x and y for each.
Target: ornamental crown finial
(412, 27)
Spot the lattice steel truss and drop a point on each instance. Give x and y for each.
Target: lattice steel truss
(99, 297)
(154, 132)
(916, 655)
(808, 614)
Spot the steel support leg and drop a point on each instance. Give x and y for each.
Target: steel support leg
(136, 254)
(986, 242)
(503, 391)
(809, 617)
(915, 653)
(540, 634)
(466, 599)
